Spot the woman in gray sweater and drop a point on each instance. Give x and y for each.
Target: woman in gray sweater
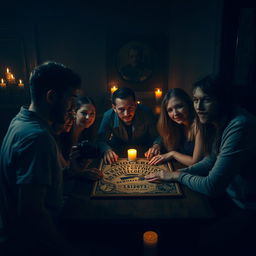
(229, 137)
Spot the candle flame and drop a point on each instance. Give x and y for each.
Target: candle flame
(2, 81)
(113, 89)
(7, 70)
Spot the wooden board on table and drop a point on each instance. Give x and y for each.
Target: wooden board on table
(126, 179)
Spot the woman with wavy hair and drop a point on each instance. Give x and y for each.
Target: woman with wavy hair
(179, 130)
(83, 127)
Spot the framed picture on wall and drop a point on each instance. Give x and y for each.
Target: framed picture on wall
(137, 61)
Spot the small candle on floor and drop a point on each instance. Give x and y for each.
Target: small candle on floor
(150, 240)
(132, 154)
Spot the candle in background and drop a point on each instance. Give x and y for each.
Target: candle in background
(2, 84)
(138, 102)
(150, 240)
(12, 79)
(132, 154)
(8, 74)
(20, 84)
(158, 93)
(113, 89)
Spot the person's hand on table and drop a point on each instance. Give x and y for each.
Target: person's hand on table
(154, 150)
(159, 159)
(110, 157)
(162, 175)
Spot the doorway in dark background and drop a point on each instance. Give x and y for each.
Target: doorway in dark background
(238, 51)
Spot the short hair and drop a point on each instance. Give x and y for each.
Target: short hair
(52, 75)
(123, 93)
(215, 87)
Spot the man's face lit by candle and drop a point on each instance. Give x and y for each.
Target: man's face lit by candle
(125, 109)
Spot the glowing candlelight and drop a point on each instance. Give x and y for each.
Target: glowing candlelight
(132, 154)
(12, 79)
(150, 239)
(157, 110)
(2, 84)
(8, 74)
(20, 84)
(138, 102)
(113, 89)
(158, 93)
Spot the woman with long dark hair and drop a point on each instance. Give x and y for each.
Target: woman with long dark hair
(83, 127)
(76, 131)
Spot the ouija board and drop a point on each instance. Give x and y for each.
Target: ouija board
(126, 178)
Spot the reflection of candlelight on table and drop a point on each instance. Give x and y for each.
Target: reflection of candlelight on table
(113, 89)
(157, 110)
(2, 84)
(132, 154)
(20, 84)
(158, 93)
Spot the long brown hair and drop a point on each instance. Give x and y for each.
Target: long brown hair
(171, 132)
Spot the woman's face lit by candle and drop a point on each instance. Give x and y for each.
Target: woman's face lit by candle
(86, 115)
(178, 111)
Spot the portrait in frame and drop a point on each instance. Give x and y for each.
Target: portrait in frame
(137, 61)
(134, 62)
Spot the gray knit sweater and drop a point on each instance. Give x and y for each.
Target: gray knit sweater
(233, 169)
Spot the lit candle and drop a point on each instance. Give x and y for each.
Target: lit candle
(20, 84)
(113, 89)
(8, 74)
(138, 102)
(150, 239)
(132, 154)
(158, 93)
(12, 79)
(2, 84)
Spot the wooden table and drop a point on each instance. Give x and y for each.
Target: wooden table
(81, 206)
(118, 221)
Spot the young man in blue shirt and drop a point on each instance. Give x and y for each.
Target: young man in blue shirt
(127, 124)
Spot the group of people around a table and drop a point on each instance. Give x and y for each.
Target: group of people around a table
(208, 133)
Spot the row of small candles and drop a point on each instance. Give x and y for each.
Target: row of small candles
(158, 92)
(10, 80)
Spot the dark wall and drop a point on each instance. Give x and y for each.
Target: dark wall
(79, 34)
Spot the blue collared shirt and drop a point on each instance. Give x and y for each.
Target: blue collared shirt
(113, 132)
